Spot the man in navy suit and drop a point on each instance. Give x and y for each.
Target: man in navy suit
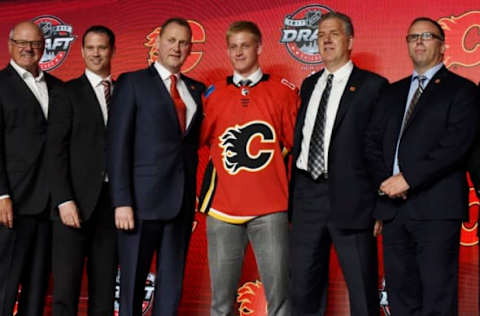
(152, 158)
(26, 96)
(416, 149)
(333, 197)
(83, 224)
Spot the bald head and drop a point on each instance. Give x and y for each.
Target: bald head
(25, 26)
(25, 45)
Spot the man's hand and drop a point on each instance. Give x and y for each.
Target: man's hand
(377, 228)
(395, 187)
(6, 212)
(68, 212)
(124, 218)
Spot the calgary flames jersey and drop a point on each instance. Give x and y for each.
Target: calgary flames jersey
(247, 130)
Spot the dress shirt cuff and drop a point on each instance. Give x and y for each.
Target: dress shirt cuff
(5, 196)
(63, 203)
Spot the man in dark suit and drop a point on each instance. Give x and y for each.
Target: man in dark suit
(26, 94)
(152, 158)
(84, 224)
(416, 149)
(332, 196)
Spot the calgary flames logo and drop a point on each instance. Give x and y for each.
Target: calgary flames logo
(241, 151)
(468, 234)
(198, 37)
(251, 298)
(462, 36)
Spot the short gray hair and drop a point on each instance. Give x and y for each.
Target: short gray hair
(347, 21)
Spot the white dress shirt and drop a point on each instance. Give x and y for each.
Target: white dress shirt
(340, 79)
(182, 90)
(97, 85)
(37, 85)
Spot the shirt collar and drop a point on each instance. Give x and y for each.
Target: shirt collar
(25, 73)
(254, 77)
(96, 80)
(342, 72)
(429, 73)
(164, 72)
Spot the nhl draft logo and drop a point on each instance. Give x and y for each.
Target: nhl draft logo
(251, 297)
(198, 37)
(147, 300)
(300, 31)
(248, 147)
(58, 40)
(382, 293)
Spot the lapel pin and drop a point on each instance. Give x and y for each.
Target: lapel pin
(352, 88)
(192, 87)
(437, 81)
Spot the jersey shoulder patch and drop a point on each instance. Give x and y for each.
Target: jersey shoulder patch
(209, 90)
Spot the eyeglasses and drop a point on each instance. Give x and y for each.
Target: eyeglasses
(24, 44)
(425, 36)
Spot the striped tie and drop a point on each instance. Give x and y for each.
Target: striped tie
(106, 90)
(416, 96)
(316, 158)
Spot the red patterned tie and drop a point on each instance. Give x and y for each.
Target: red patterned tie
(106, 90)
(179, 104)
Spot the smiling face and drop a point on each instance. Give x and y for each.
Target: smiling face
(173, 45)
(243, 51)
(425, 53)
(334, 44)
(26, 57)
(97, 53)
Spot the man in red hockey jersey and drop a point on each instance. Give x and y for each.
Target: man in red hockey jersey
(249, 119)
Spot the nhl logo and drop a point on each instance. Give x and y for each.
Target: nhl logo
(58, 40)
(300, 31)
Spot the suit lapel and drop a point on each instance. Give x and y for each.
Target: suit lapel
(165, 94)
(350, 92)
(197, 98)
(92, 101)
(432, 89)
(306, 94)
(22, 87)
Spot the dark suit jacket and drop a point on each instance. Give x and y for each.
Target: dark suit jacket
(23, 138)
(77, 136)
(151, 163)
(351, 190)
(433, 147)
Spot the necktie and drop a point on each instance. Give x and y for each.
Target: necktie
(179, 104)
(416, 96)
(316, 159)
(106, 90)
(244, 83)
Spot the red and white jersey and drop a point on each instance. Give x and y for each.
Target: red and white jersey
(246, 129)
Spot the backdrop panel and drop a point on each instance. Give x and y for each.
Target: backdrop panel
(289, 49)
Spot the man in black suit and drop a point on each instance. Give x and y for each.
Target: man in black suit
(416, 149)
(84, 224)
(152, 158)
(332, 196)
(26, 94)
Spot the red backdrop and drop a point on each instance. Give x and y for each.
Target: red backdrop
(379, 45)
